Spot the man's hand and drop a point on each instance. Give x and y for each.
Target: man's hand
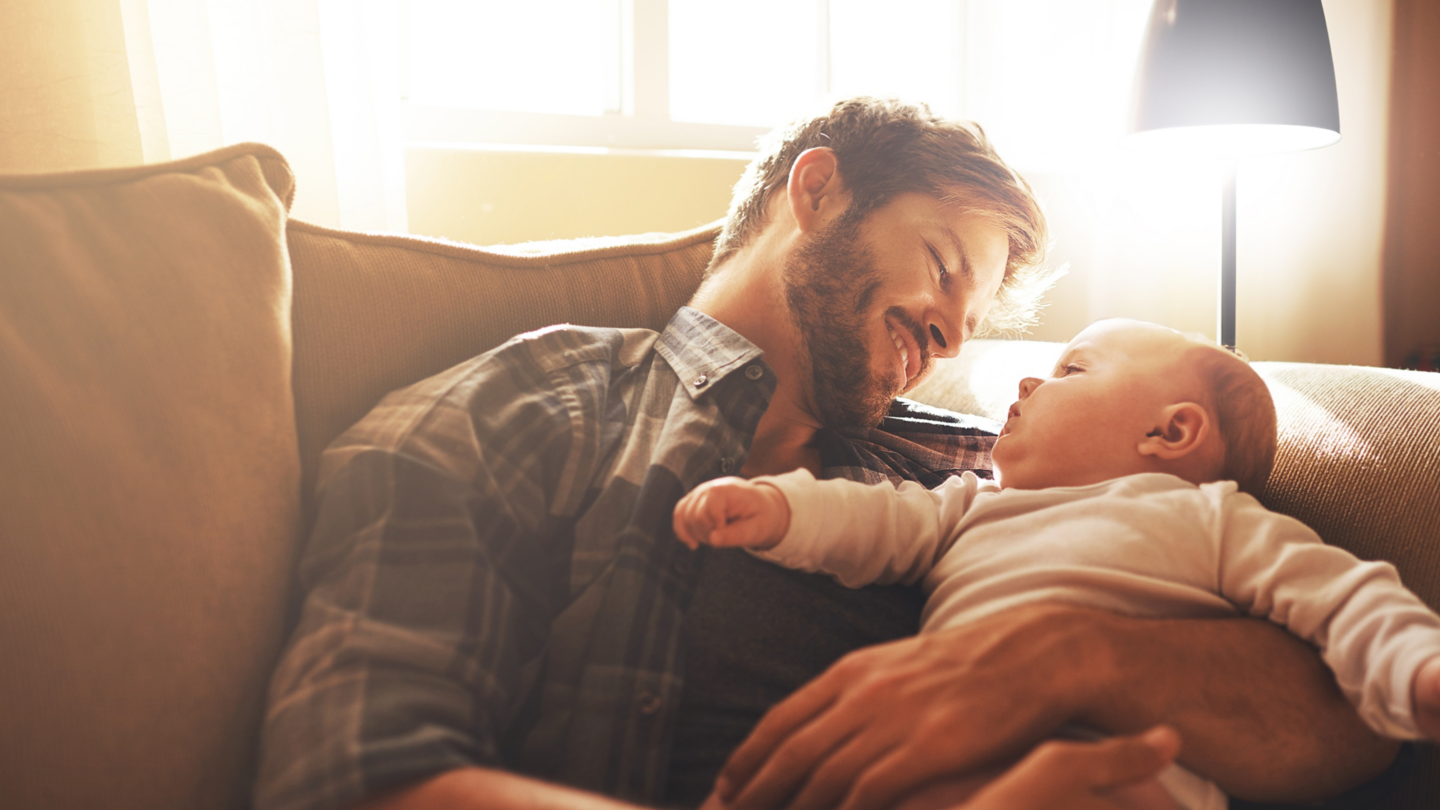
(489, 789)
(1426, 698)
(1260, 713)
(731, 512)
(1114, 774)
(889, 718)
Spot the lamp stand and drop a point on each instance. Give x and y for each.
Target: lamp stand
(1226, 330)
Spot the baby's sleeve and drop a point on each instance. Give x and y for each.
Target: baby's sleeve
(864, 533)
(1372, 631)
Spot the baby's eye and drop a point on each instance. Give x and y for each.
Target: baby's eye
(1066, 371)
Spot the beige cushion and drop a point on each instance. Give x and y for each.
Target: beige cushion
(374, 313)
(148, 478)
(1358, 461)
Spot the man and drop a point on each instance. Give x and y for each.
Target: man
(495, 604)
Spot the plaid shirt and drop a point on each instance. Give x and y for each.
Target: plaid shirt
(493, 580)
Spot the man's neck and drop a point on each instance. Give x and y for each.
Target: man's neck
(782, 443)
(748, 296)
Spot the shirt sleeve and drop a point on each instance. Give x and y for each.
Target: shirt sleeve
(862, 533)
(425, 605)
(1373, 633)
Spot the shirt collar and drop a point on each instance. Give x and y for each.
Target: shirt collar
(703, 351)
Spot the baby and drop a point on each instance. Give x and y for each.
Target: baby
(1125, 482)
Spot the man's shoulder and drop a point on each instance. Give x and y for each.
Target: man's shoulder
(521, 386)
(564, 345)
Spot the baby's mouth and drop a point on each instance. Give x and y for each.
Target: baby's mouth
(1010, 416)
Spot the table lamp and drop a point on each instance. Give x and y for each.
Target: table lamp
(1227, 78)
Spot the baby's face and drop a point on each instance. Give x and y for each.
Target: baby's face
(1084, 423)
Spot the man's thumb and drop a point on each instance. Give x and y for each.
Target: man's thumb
(1126, 760)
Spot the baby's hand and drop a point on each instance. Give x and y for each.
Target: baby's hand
(1426, 691)
(732, 512)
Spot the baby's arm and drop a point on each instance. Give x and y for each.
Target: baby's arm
(858, 533)
(1380, 639)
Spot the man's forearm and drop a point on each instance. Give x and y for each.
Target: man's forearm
(1257, 709)
(477, 788)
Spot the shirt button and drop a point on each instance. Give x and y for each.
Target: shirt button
(753, 373)
(701, 380)
(727, 465)
(650, 703)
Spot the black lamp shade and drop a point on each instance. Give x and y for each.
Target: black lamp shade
(1257, 75)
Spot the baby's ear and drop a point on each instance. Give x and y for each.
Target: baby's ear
(1183, 428)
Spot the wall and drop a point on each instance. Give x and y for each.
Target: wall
(65, 82)
(497, 196)
(1412, 261)
(1142, 237)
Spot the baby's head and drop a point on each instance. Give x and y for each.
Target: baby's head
(1129, 397)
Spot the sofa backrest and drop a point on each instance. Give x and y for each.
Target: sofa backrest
(377, 312)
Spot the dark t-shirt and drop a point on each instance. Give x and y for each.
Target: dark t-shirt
(754, 633)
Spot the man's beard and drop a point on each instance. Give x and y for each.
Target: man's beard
(830, 285)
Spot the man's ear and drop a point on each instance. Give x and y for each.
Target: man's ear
(1183, 428)
(815, 191)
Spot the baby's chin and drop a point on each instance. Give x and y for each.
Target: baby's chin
(1012, 481)
(1021, 478)
(1000, 462)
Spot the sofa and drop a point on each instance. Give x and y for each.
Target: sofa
(175, 352)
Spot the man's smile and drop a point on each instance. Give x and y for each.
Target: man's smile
(909, 353)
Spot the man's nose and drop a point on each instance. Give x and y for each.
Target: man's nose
(944, 342)
(1028, 386)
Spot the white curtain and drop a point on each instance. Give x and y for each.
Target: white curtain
(93, 83)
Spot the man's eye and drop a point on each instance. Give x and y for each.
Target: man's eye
(940, 263)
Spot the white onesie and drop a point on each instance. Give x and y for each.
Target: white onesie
(1149, 545)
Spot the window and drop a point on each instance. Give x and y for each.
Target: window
(481, 56)
(713, 74)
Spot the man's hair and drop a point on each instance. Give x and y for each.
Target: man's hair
(1242, 405)
(886, 147)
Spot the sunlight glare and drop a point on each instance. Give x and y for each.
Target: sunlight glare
(466, 53)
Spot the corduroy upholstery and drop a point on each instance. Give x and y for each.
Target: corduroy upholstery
(141, 598)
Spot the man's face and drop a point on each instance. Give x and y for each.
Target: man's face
(875, 304)
(1085, 422)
